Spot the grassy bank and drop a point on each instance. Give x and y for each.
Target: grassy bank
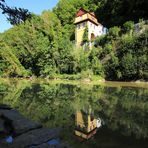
(95, 81)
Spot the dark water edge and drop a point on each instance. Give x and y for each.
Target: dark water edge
(122, 106)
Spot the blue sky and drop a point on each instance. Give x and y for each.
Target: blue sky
(35, 6)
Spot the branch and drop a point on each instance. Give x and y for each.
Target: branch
(14, 15)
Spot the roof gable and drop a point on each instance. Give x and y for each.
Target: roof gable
(87, 16)
(81, 12)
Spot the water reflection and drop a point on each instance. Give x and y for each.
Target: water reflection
(86, 124)
(123, 109)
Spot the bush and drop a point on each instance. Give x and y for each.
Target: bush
(86, 74)
(128, 26)
(108, 48)
(114, 32)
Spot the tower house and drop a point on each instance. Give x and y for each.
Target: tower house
(87, 19)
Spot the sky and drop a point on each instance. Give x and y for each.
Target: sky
(35, 6)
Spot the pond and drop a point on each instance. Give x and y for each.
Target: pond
(122, 109)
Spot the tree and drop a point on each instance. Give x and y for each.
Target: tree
(117, 12)
(14, 15)
(14, 67)
(42, 46)
(85, 36)
(114, 32)
(128, 27)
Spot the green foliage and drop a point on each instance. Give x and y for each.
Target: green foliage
(130, 60)
(111, 13)
(114, 32)
(14, 15)
(128, 26)
(111, 68)
(86, 74)
(15, 68)
(43, 46)
(117, 12)
(101, 40)
(108, 48)
(97, 66)
(85, 36)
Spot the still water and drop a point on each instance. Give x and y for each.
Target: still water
(122, 109)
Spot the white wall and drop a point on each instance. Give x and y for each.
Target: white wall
(96, 30)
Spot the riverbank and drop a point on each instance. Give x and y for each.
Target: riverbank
(99, 81)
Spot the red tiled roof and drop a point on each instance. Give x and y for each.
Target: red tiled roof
(82, 12)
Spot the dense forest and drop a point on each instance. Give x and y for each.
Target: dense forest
(43, 45)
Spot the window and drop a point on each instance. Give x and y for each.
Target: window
(84, 24)
(78, 26)
(90, 24)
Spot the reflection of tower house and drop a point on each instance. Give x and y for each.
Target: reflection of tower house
(83, 20)
(86, 125)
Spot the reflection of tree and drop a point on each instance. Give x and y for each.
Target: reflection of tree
(127, 108)
(13, 92)
(122, 108)
(48, 104)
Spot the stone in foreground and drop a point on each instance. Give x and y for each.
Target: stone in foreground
(18, 123)
(35, 137)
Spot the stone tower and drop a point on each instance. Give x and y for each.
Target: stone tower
(86, 19)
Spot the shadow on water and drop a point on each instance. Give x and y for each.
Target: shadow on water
(123, 111)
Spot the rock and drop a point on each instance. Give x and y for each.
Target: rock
(3, 145)
(25, 133)
(101, 80)
(35, 137)
(2, 128)
(17, 122)
(4, 106)
(45, 145)
(86, 80)
(138, 81)
(24, 125)
(11, 115)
